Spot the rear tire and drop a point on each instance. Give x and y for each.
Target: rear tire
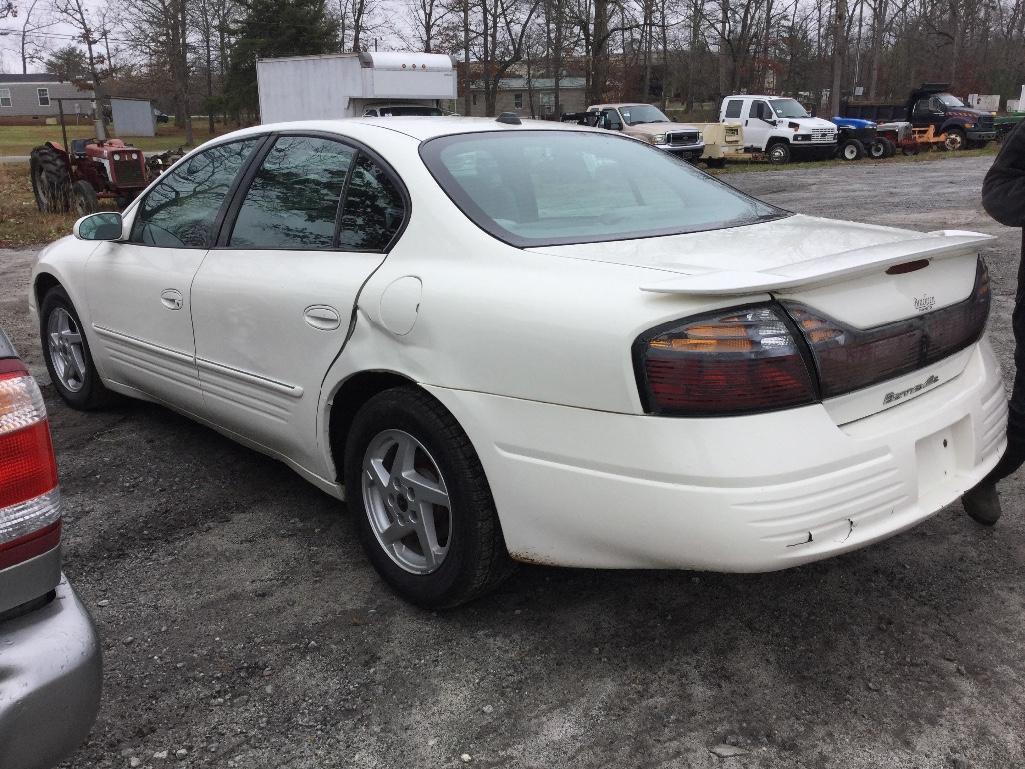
(67, 355)
(779, 153)
(877, 149)
(412, 477)
(891, 148)
(84, 197)
(51, 180)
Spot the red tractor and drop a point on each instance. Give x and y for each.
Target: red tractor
(93, 170)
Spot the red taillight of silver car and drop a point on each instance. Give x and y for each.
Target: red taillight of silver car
(770, 356)
(30, 515)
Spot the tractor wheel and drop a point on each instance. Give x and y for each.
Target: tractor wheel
(715, 162)
(51, 182)
(891, 148)
(909, 149)
(779, 153)
(852, 149)
(84, 197)
(956, 140)
(877, 149)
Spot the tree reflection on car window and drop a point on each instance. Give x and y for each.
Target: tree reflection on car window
(373, 209)
(293, 200)
(180, 211)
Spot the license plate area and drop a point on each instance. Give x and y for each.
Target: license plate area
(941, 456)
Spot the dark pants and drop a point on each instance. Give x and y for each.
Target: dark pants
(1014, 457)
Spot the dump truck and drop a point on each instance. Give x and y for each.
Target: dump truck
(953, 123)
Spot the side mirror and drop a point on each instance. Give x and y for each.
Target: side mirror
(106, 225)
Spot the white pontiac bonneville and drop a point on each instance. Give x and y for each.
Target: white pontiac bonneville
(547, 343)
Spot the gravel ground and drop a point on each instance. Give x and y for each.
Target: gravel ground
(242, 626)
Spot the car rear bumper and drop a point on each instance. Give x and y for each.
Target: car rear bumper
(576, 487)
(50, 677)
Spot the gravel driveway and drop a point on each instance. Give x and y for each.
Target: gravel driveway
(243, 627)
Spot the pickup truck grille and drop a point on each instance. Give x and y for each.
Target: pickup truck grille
(682, 138)
(823, 135)
(985, 123)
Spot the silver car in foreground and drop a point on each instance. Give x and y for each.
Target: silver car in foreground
(50, 668)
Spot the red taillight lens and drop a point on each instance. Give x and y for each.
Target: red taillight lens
(29, 498)
(736, 361)
(849, 359)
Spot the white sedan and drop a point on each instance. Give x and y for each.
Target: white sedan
(536, 342)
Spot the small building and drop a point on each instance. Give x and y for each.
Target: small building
(534, 97)
(30, 99)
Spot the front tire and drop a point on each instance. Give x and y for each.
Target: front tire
(84, 197)
(877, 149)
(421, 501)
(67, 355)
(956, 140)
(779, 153)
(852, 149)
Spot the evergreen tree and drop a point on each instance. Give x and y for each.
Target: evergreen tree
(272, 28)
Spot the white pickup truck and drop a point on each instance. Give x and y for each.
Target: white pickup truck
(780, 127)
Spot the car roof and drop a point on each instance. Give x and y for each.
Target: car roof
(420, 128)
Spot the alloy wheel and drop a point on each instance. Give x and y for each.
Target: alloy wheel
(66, 349)
(407, 502)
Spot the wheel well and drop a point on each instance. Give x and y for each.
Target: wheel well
(349, 399)
(44, 282)
(777, 140)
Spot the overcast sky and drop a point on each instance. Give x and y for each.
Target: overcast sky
(61, 34)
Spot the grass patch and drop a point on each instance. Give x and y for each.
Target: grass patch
(19, 140)
(21, 223)
(926, 156)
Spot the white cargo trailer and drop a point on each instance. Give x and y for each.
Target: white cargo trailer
(350, 84)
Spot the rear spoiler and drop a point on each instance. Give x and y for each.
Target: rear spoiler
(825, 269)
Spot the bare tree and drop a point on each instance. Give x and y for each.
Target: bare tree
(74, 13)
(31, 49)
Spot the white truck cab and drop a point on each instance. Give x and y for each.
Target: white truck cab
(780, 127)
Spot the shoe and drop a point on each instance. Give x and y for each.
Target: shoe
(982, 504)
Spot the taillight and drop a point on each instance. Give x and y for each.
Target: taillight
(736, 361)
(29, 496)
(849, 359)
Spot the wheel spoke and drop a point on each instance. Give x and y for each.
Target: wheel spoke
(396, 531)
(76, 363)
(378, 474)
(424, 489)
(405, 457)
(71, 337)
(428, 536)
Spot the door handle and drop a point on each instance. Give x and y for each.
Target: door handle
(322, 317)
(171, 298)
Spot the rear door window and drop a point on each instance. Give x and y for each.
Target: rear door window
(373, 210)
(292, 202)
(734, 108)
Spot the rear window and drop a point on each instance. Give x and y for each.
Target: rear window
(534, 188)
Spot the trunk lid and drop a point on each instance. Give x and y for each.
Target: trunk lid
(863, 276)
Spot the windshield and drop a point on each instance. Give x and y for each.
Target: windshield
(635, 114)
(411, 110)
(535, 188)
(788, 108)
(949, 100)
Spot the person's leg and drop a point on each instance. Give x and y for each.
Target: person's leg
(982, 502)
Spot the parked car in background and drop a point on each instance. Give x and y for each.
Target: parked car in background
(933, 106)
(779, 127)
(510, 340)
(403, 110)
(49, 652)
(650, 124)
